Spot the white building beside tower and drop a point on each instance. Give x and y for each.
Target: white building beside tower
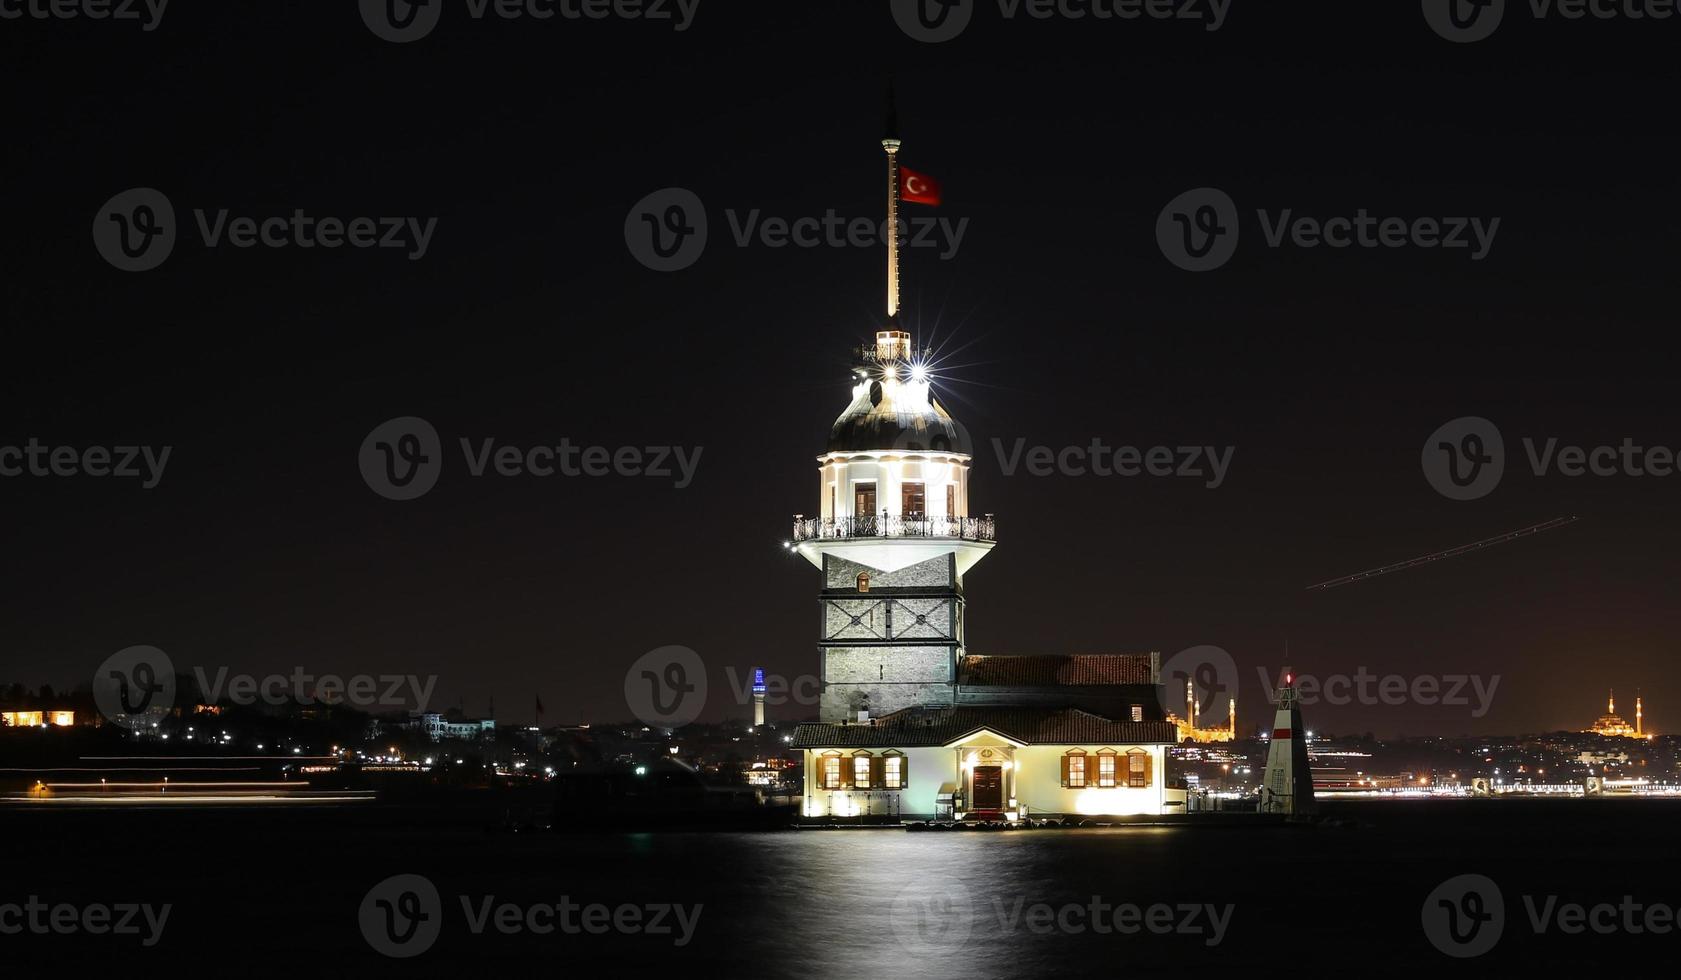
(911, 723)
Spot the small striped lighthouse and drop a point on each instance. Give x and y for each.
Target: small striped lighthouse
(1287, 784)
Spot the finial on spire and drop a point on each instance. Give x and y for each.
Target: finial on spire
(891, 131)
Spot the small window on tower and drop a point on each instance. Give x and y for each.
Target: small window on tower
(951, 500)
(864, 500)
(914, 497)
(863, 581)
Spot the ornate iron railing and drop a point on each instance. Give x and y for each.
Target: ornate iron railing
(894, 526)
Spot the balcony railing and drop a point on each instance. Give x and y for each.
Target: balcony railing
(894, 526)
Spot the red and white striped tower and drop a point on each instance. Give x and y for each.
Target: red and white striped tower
(1287, 783)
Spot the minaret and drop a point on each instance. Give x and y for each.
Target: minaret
(1611, 702)
(1638, 729)
(1231, 717)
(894, 534)
(1287, 783)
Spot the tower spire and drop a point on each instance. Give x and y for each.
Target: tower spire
(890, 143)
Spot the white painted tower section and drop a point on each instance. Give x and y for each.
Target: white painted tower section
(893, 534)
(1287, 782)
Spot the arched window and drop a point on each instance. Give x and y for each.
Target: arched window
(863, 581)
(1074, 774)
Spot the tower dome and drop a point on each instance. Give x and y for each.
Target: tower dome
(893, 407)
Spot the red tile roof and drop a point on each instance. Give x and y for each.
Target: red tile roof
(1100, 669)
(921, 727)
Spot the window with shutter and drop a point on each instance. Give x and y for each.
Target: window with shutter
(1074, 770)
(1138, 768)
(1106, 769)
(831, 771)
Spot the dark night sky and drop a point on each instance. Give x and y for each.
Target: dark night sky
(1060, 141)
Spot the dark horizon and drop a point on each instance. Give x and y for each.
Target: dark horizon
(529, 321)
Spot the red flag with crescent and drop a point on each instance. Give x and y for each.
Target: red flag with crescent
(918, 188)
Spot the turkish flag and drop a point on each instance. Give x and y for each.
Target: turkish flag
(918, 188)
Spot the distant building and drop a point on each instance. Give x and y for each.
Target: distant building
(1189, 728)
(38, 718)
(437, 727)
(1612, 724)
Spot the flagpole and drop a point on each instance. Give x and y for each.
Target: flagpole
(890, 143)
